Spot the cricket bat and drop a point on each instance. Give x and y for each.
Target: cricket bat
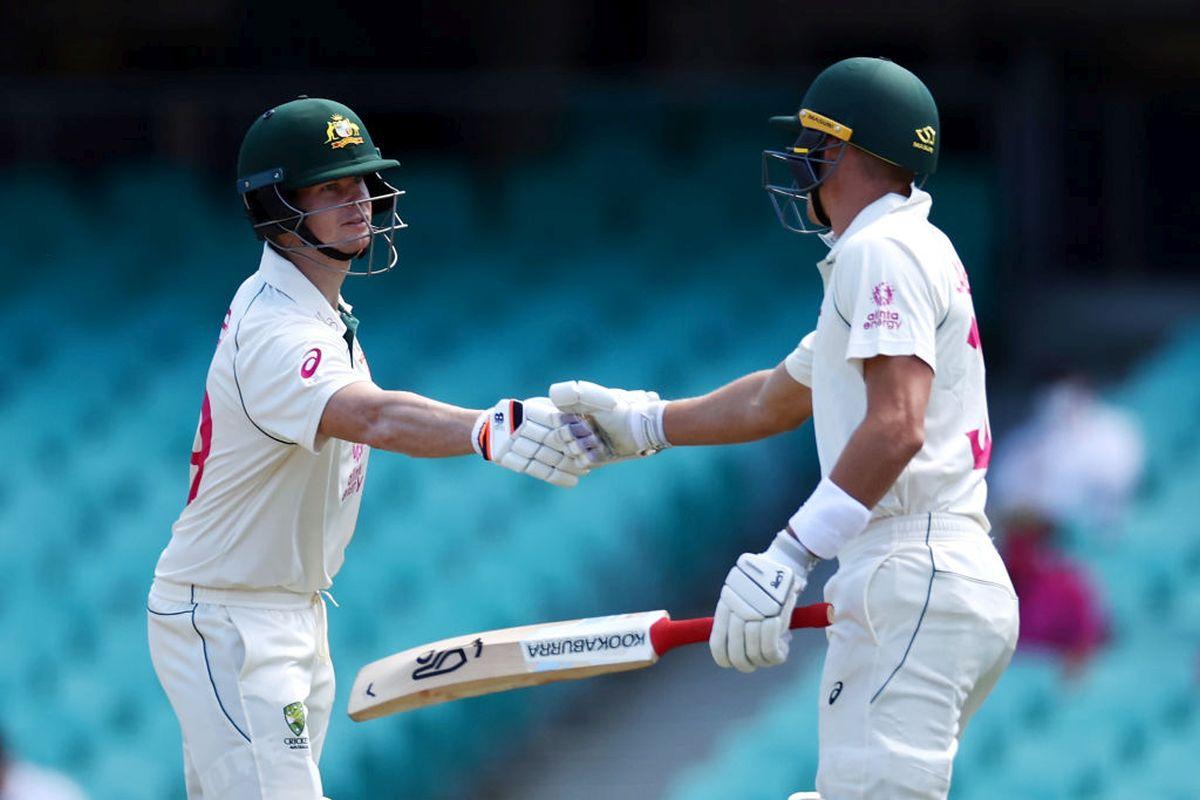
(511, 658)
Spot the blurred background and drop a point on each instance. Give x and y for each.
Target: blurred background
(583, 190)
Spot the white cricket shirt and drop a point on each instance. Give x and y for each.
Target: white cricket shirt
(271, 505)
(895, 286)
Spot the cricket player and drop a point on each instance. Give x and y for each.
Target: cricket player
(237, 623)
(893, 377)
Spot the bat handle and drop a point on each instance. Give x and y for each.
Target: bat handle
(667, 634)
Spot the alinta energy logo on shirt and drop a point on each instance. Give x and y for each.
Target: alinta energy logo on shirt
(354, 483)
(881, 317)
(883, 294)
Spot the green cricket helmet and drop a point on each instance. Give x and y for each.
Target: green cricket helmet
(873, 104)
(305, 142)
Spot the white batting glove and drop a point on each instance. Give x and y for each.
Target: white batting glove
(535, 438)
(628, 422)
(751, 623)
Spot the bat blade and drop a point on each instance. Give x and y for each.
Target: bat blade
(499, 660)
(511, 658)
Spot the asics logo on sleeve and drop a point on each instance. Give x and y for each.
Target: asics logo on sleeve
(312, 359)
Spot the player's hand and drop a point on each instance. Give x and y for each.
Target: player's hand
(534, 437)
(628, 422)
(750, 625)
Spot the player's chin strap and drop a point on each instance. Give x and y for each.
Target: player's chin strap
(311, 242)
(818, 207)
(326, 250)
(337, 255)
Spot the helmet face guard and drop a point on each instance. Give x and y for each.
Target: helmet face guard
(272, 212)
(791, 176)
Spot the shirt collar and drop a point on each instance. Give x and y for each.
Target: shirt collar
(284, 276)
(918, 201)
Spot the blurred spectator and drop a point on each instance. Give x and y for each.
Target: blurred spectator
(1060, 611)
(1077, 458)
(23, 781)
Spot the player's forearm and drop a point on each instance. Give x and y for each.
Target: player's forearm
(724, 416)
(752, 407)
(409, 423)
(876, 454)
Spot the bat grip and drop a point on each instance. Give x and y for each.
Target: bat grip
(667, 634)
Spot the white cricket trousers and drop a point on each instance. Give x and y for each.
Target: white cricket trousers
(251, 682)
(925, 622)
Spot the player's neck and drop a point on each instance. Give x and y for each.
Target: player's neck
(845, 205)
(322, 272)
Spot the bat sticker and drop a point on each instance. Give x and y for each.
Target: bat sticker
(592, 642)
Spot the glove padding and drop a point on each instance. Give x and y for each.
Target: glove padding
(629, 423)
(751, 623)
(533, 437)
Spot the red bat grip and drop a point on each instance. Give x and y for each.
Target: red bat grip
(667, 634)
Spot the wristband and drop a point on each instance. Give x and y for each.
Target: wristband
(828, 519)
(478, 434)
(484, 427)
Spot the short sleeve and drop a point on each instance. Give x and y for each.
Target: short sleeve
(286, 376)
(799, 362)
(892, 307)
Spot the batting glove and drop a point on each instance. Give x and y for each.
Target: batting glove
(751, 623)
(534, 437)
(629, 423)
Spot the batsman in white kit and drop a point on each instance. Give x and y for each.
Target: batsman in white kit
(893, 377)
(237, 622)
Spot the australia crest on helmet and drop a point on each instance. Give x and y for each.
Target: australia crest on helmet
(340, 132)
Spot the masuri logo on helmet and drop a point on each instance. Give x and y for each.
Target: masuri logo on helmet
(925, 138)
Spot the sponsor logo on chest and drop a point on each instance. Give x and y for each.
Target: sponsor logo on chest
(358, 473)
